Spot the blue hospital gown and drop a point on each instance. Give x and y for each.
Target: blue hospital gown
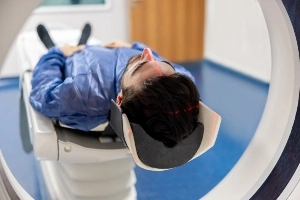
(77, 90)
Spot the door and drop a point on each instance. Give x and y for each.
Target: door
(174, 28)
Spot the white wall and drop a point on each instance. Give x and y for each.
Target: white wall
(109, 23)
(236, 36)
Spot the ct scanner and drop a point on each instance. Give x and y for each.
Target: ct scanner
(279, 119)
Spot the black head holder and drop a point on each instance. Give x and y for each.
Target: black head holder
(152, 154)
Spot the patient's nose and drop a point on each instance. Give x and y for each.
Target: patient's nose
(147, 55)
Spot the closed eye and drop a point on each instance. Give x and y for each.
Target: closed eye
(168, 63)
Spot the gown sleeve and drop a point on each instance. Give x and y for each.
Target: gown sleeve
(56, 96)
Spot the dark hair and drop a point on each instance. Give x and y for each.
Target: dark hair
(166, 107)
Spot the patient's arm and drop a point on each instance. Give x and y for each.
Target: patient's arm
(135, 45)
(69, 50)
(117, 44)
(58, 97)
(47, 77)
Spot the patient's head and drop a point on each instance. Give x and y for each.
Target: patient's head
(163, 102)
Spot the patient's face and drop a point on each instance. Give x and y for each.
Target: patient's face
(144, 66)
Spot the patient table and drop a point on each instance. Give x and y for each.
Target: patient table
(74, 165)
(96, 165)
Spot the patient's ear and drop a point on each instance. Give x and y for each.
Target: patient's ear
(119, 98)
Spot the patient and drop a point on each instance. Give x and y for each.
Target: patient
(74, 85)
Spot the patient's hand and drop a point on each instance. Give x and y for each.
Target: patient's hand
(117, 44)
(69, 50)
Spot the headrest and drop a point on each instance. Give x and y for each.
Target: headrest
(151, 154)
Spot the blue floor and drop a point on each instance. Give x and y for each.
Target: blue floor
(238, 99)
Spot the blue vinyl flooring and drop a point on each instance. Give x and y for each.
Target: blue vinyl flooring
(240, 101)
